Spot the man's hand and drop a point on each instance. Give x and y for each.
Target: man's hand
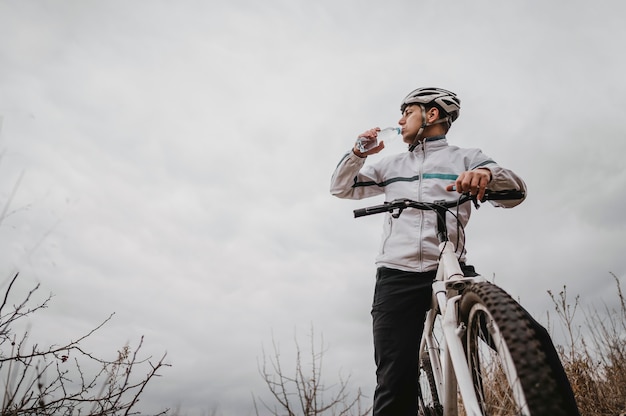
(472, 181)
(369, 134)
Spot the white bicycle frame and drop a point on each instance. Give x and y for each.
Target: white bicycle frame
(451, 372)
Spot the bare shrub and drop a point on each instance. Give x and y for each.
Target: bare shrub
(303, 392)
(54, 380)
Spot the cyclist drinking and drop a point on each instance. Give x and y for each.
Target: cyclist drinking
(409, 251)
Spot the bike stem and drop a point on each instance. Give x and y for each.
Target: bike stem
(442, 227)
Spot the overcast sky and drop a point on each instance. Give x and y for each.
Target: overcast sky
(171, 163)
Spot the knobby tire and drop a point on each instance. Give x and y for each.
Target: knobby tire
(514, 366)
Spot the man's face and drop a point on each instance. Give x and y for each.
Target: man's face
(411, 121)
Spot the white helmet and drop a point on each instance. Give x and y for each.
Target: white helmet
(444, 99)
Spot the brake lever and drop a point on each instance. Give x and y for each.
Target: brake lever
(397, 213)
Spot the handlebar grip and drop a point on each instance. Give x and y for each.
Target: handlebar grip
(361, 212)
(505, 195)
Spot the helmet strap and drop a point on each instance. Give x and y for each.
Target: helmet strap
(418, 136)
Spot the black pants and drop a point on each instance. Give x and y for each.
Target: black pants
(401, 300)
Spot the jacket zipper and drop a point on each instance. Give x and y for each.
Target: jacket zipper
(419, 198)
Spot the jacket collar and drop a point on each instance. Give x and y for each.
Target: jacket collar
(435, 138)
(434, 142)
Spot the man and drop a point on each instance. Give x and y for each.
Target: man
(409, 252)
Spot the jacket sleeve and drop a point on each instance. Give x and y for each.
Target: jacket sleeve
(353, 180)
(502, 179)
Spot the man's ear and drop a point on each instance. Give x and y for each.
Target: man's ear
(432, 114)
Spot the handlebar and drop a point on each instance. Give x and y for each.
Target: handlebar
(401, 204)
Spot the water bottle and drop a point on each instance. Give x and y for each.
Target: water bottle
(365, 143)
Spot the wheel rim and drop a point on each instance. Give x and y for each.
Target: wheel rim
(496, 382)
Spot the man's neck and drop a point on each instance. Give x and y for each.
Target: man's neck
(434, 130)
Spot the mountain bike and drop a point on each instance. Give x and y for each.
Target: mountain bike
(481, 353)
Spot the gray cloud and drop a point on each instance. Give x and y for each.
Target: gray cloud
(176, 161)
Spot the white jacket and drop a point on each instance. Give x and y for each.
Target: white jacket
(410, 242)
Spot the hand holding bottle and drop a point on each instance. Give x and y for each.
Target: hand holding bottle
(372, 140)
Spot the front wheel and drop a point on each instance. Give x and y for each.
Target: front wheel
(512, 366)
(428, 399)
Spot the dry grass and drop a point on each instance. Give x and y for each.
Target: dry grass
(595, 362)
